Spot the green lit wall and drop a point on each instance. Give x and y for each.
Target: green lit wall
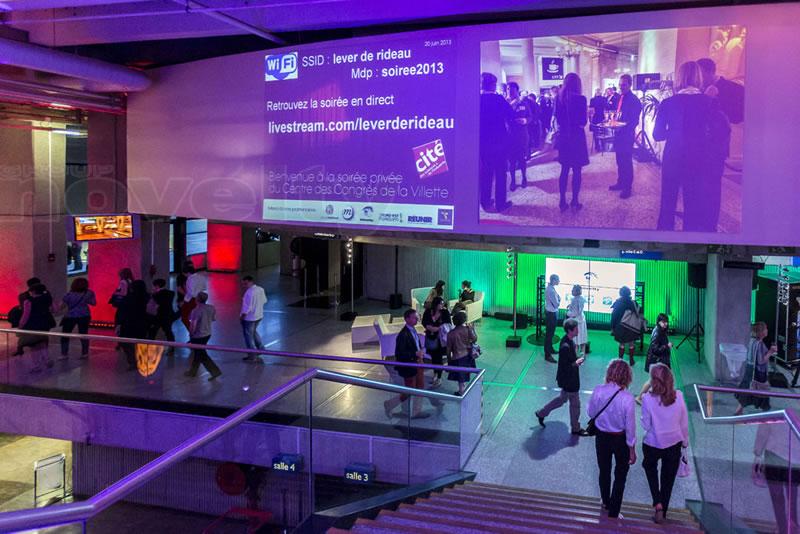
(666, 287)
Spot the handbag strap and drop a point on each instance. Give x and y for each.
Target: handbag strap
(607, 403)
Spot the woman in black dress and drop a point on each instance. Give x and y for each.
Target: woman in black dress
(697, 136)
(36, 316)
(571, 118)
(134, 322)
(433, 320)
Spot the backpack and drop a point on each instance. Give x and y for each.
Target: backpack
(632, 321)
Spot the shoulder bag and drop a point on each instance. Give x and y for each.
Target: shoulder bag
(591, 427)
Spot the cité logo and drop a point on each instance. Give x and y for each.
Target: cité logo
(281, 67)
(348, 213)
(430, 159)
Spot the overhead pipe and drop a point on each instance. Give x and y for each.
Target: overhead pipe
(232, 21)
(107, 78)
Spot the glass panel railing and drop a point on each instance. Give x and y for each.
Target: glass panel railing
(305, 446)
(746, 454)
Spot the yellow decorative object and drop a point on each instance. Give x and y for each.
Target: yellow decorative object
(147, 358)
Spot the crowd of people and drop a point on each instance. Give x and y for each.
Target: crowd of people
(694, 124)
(447, 338)
(140, 313)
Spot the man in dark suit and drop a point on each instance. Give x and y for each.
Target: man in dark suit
(598, 104)
(729, 95)
(496, 117)
(629, 109)
(408, 348)
(165, 314)
(568, 379)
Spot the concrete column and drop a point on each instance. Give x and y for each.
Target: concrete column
(491, 60)
(106, 194)
(32, 232)
(657, 49)
(529, 81)
(249, 249)
(727, 310)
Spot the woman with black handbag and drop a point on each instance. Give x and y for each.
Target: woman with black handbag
(623, 335)
(613, 423)
(433, 319)
(756, 373)
(460, 350)
(659, 351)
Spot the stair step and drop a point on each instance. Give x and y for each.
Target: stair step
(516, 521)
(372, 526)
(542, 506)
(562, 496)
(580, 523)
(556, 504)
(468, 525)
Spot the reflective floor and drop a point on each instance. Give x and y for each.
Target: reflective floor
(513, 451)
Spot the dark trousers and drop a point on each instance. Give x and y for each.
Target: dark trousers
(624, 156)
(200, 356)
(67, 325)
(576, 182)
(437, 358)
(550, 320)
(165, 325)
(493, 173)
(608, 447)
(661, 487)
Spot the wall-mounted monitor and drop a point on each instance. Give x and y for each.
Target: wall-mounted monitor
(599, 280)
(103, 227)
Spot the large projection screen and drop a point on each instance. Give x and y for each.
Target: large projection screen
(405, 132)
(599, 280)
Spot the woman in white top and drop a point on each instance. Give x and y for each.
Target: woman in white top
(666, 425)
(575, 311)
(616, 432)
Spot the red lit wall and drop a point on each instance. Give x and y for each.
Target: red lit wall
(224, 247)
(106, 258)
(198, 260)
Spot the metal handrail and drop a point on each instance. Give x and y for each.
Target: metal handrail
(223, 348)
(85, 510)
(786, 415)
(762, 392)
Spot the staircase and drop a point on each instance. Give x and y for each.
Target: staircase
(476, 507)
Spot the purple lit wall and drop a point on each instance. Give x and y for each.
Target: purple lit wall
(203, 143)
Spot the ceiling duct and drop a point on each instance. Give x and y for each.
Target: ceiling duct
(102, 77)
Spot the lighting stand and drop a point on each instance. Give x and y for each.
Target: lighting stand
(351, 315)
(514, 340)
(696, 330)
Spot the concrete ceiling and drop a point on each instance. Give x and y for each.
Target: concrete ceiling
(66, 23)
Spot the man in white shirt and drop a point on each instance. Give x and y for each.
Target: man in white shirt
(551, 302)
(196, 283)
(253, 302)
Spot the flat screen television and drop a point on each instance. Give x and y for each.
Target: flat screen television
(109, 226)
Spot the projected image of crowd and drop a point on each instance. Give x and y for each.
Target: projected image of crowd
(629, 130)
